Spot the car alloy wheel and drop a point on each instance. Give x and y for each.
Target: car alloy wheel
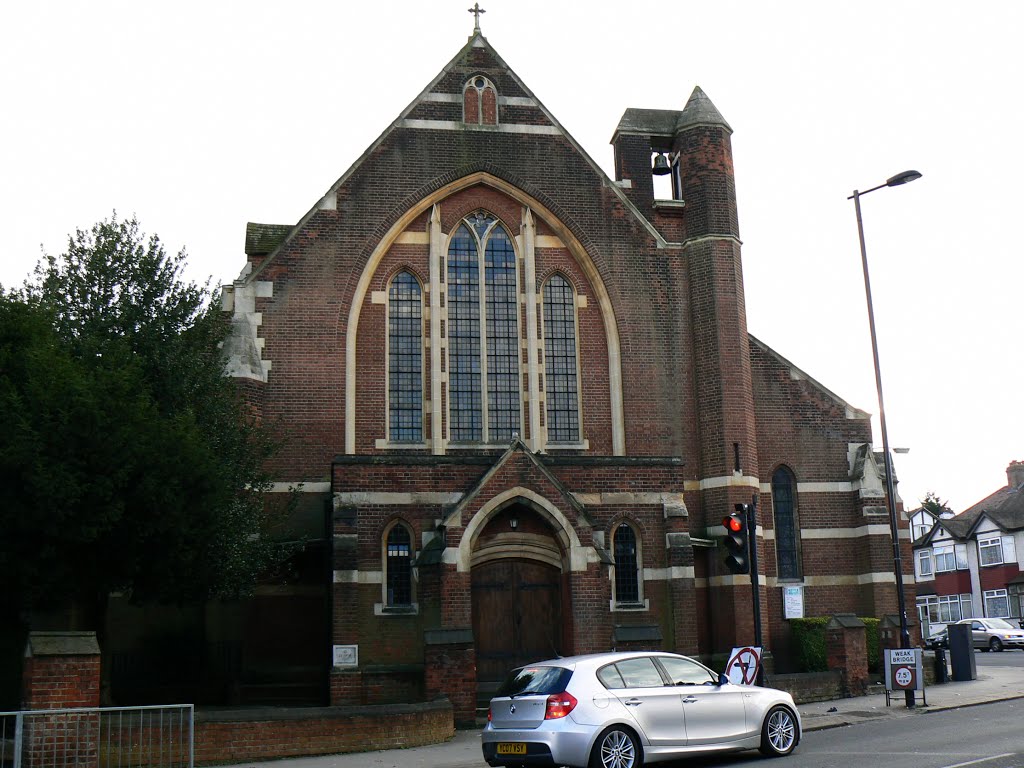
(616, 748)
(995, 644)
(778, 735)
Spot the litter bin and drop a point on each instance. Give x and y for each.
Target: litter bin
(941, 673)
(961, 652)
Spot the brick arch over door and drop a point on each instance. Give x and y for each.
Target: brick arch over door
(572, 244)
(519, 591)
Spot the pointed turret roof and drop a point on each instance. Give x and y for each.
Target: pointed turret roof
(700, 111)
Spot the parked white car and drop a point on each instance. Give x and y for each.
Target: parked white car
(625, 710)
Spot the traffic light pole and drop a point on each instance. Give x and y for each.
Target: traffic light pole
(754, 583)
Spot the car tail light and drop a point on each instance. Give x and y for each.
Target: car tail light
(559, 705)
(488, 714)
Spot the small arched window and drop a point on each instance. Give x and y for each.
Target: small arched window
(627, 565)
(398, 566)
(561, 379)
(405, 360)
(787, 529)
(479, 102)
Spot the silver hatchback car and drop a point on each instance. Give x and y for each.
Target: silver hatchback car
(625, 710)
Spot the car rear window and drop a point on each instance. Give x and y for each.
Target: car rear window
(537, 679)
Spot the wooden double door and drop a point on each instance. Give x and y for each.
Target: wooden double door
(517, 615)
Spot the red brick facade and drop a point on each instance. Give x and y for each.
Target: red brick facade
(682, 414)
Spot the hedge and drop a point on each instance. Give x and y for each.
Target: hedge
(809, 643)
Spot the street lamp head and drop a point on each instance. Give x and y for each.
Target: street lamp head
(902, 178)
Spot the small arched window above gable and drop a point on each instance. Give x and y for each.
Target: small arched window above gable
(479, 102)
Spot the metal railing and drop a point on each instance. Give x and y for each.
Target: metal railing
(102, 737)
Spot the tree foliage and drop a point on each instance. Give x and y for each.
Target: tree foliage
(932, 503)
(127, 460)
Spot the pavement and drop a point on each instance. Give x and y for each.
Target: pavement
(993, 683)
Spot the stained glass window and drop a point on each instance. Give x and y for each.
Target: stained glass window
(787, 534)
(483, 314)
(504, 403)
(560, 370)
(405, 359)
(399, 566)
(627, 584)
(464, 383)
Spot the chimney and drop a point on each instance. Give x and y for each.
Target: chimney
(1015, 474)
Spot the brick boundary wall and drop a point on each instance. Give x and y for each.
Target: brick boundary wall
(266, 734)
(806, 687)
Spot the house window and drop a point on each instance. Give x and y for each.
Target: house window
(627, 560)
(1015, 594)
(924, 563)
(945, 558)
(484, 394)
(405, 360)
(997, 604)
(787, 532)
(561, 380)
(922, 522)
(398, 566)
(944, 609)
(960, 550)
(995, 550)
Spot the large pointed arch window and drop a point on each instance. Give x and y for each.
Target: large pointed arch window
(787, 529)
(561, 381)
(484, 380)
(405, 360)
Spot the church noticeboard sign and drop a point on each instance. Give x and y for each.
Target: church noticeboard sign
(793, 602)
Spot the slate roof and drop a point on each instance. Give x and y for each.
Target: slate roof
(1005, 508)
(699, 110)
(261, 239)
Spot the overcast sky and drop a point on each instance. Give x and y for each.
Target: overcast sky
(200, 116)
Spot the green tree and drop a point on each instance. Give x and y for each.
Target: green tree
(932, 503)
(128, 462)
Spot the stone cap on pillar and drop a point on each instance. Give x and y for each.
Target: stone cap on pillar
(61, 644)
(844, 621)
(889, 621)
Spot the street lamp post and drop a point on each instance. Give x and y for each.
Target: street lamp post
(890, 489)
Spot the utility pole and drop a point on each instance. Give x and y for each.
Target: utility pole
(755, 584)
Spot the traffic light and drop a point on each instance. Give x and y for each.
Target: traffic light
(736, 541)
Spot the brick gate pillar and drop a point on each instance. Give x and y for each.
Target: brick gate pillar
(62, 671)
(450, 670)
(846, 647)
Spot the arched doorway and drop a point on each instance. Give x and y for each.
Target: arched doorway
(517, 589)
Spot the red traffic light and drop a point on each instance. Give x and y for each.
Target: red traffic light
(733, 523)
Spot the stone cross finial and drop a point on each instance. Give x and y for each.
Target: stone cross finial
(476, 10)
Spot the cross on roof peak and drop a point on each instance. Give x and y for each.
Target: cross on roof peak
(476, 10)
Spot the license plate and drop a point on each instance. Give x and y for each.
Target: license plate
(511, 748)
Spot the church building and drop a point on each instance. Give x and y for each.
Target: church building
(524, 396)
